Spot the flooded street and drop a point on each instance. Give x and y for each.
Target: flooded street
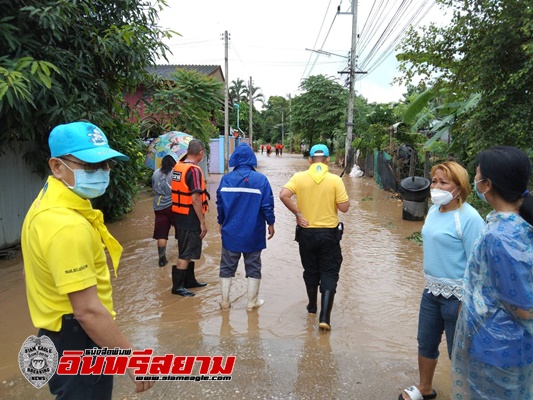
(370, 353)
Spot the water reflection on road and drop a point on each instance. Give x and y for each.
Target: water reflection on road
(369, 354)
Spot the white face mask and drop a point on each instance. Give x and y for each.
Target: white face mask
(441, 197)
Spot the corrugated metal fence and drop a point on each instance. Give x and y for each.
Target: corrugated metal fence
(18, 188)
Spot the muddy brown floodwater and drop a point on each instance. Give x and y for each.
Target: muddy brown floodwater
(370, 353)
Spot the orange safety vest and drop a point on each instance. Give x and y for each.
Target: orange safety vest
(181, 194)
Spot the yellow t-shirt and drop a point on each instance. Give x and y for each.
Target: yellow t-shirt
(317, 194)
(63, 253)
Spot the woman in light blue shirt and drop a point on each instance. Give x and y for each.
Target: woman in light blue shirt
(449, 233)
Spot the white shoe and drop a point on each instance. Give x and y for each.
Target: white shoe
(253, 292)
(225, 284)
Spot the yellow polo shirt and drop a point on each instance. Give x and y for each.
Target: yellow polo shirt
(63, 253)
(317, 194)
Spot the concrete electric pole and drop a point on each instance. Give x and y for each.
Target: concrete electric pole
(226, 104)
(348, 158)
(283, 127)
(290, 125)
(251, 102)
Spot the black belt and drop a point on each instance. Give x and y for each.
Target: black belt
(50, 334)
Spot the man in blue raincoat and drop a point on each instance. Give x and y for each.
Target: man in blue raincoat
(245, 205)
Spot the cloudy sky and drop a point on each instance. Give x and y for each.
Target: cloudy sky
(269, 40)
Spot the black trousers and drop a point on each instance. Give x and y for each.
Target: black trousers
(321, 256)
(79, 387)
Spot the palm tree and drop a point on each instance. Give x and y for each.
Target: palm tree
(238, 91)
(256, 94)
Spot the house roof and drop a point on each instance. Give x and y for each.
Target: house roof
(164, 71)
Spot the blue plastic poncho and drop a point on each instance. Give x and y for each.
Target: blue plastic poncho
(245, 204)
(492, 356)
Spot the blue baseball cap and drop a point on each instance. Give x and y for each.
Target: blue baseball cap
(319, 150)
(82, 140)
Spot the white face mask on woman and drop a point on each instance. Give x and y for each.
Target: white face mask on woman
(441, 197)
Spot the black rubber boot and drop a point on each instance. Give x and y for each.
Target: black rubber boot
(162, 255)
(178, 280)
(325, 310)
(190, 279)
(312, 292)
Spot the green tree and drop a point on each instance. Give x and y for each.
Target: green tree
(486, 51)
(63, 61)
(276, 111)
(381, 114)
(255, 93)
(186, 103)
(319, 114)
(375, 131)
(244, 121)
(237, 90)
(362, 111)
(119, 198)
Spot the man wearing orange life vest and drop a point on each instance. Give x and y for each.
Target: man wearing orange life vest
(189, 205)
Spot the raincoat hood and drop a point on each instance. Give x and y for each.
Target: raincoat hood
(243, 155)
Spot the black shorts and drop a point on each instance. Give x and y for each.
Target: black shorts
(189, 244)
(164, 220)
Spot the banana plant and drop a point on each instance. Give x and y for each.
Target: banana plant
(419, 115)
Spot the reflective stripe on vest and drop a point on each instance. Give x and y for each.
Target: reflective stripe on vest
(181, 194)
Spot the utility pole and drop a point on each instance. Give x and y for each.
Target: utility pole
(226, 104)
(348, 159)
(290, 126)
(283, 127)
(251, 101)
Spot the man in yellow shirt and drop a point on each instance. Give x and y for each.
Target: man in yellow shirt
(63, 239)
(320, 195)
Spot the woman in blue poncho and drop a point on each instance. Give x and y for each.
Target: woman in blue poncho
(493, 350)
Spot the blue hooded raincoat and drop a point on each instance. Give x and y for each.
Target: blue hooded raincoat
(245, 204)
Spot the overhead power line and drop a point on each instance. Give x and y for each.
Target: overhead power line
(408, 13)
(382, 31)
(304, 75)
